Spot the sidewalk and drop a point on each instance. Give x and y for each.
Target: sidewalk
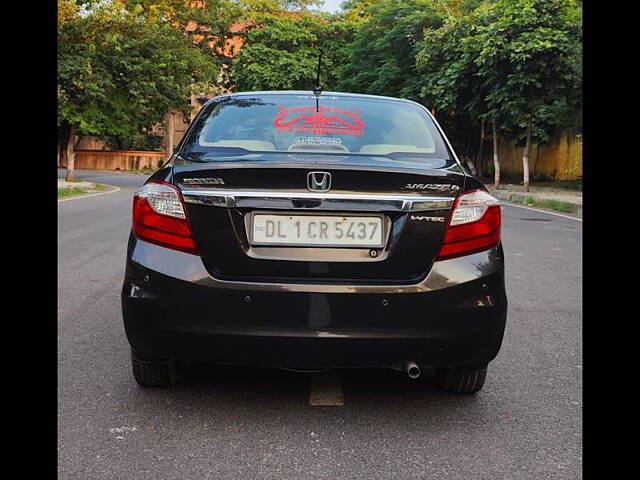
(538, 194)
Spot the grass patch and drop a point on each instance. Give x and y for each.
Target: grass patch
(569, 185)
(73, 191)
(550, 204)
(70, 192)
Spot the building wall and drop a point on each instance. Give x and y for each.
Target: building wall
(116, 159)
(561, 159)
(88, 142)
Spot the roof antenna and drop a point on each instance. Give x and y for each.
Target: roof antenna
(317, 90)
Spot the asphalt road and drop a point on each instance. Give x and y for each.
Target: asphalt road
(242, 423)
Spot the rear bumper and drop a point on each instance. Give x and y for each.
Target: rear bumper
(172, 308)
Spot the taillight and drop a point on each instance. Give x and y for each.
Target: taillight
(474, 225)
(159, 217)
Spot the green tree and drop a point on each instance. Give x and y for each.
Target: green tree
(120, 70)
(381, 56)
(280, 50)
(451, 84)
(528, 60)
(514, 63)
(447, 81)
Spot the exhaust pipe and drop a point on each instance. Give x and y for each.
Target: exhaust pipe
(413, 370)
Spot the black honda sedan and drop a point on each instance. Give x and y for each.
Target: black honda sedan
(309, 230)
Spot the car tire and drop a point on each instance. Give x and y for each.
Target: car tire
(461, 379)
(152, 372)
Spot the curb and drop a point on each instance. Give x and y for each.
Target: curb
(547, 212)
(518, 197)
(113, 189)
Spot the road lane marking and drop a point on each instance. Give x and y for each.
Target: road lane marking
(115, 189)
(542, 211)
(325, 389)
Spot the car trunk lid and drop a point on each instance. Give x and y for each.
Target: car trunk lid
(413, 201)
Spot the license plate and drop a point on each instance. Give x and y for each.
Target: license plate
(317, 230)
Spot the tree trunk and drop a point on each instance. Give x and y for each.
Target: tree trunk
(63, 138)
(70, 152)
(169, 130)
(525, 159)
(472, 167)
(496, 160)
(479, 162)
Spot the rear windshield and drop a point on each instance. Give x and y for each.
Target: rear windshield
(290, 123)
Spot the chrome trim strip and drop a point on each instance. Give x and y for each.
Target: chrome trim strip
(326, 195)
(315, 254)
(280, 199)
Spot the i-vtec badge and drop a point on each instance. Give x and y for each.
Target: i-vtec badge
(438, 187)
(427, 219)
(203, 181)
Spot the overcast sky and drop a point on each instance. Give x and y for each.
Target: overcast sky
(331, 5)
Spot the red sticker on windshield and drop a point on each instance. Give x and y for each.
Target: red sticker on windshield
(327, 120)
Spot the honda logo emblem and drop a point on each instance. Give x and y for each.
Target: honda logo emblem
(319, 181)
